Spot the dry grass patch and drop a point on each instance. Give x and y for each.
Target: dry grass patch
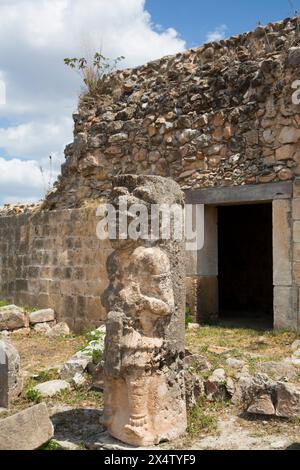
(217, 343)
(39, 352)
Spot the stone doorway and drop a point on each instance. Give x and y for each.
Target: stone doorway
(245, 265)
(264, 289)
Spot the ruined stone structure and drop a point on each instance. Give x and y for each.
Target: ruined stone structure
(144, 346)
(221, 121)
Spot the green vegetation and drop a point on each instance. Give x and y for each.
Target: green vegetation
(33, 395)
(3, 303)
(199, 420)
(94, 72)
(52, 445)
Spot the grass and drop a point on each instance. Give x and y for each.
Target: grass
(38, 352)
(251, 345)
(199, 420)
(33, 395)
(3, 303)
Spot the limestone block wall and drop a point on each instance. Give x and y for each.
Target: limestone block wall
(54, 259)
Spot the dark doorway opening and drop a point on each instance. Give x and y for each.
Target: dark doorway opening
(246, 265)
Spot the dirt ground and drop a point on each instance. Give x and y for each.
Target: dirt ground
(76, 414)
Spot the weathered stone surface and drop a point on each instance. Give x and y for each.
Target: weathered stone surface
(197, 363)
(289, 135)
(294, 56)
(12, 318)
(27, 430)
(42, 316)
(61, 329)
(79, 379)
(249, 388)
(235, 363)
(296, 345)
(262, 405)
(42, 328)
(144, 400)
(278, 370)
(194, 389)
(76, 365)
(11, 381)
(216, 386)
(287, 400)
(52, 387)
(97, 372)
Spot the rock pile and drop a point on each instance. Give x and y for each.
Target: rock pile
(256, 393)
(15, 320)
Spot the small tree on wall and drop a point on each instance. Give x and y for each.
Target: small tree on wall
(95, 71)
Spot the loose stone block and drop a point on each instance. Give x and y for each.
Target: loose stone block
(27, 430)
(144, 397)
(52, 387)
(42, 316)
(12, 318)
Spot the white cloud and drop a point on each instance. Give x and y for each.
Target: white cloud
(217, 34)
(21, 181)
(35, 37)
(31, 139)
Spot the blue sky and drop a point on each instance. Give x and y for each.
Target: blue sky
(35, 37)
(193, 19)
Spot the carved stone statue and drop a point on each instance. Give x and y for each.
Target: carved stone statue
(144, 399)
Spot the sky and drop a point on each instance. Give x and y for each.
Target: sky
(42, 93)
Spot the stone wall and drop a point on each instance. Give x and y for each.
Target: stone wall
(218, 115)
(54, 259)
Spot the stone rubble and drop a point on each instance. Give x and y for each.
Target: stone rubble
(16, 321)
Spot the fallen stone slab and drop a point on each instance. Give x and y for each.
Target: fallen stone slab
(12, 318)
(52, 387)
(42, 316)
(27, 430)
(287, 400)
